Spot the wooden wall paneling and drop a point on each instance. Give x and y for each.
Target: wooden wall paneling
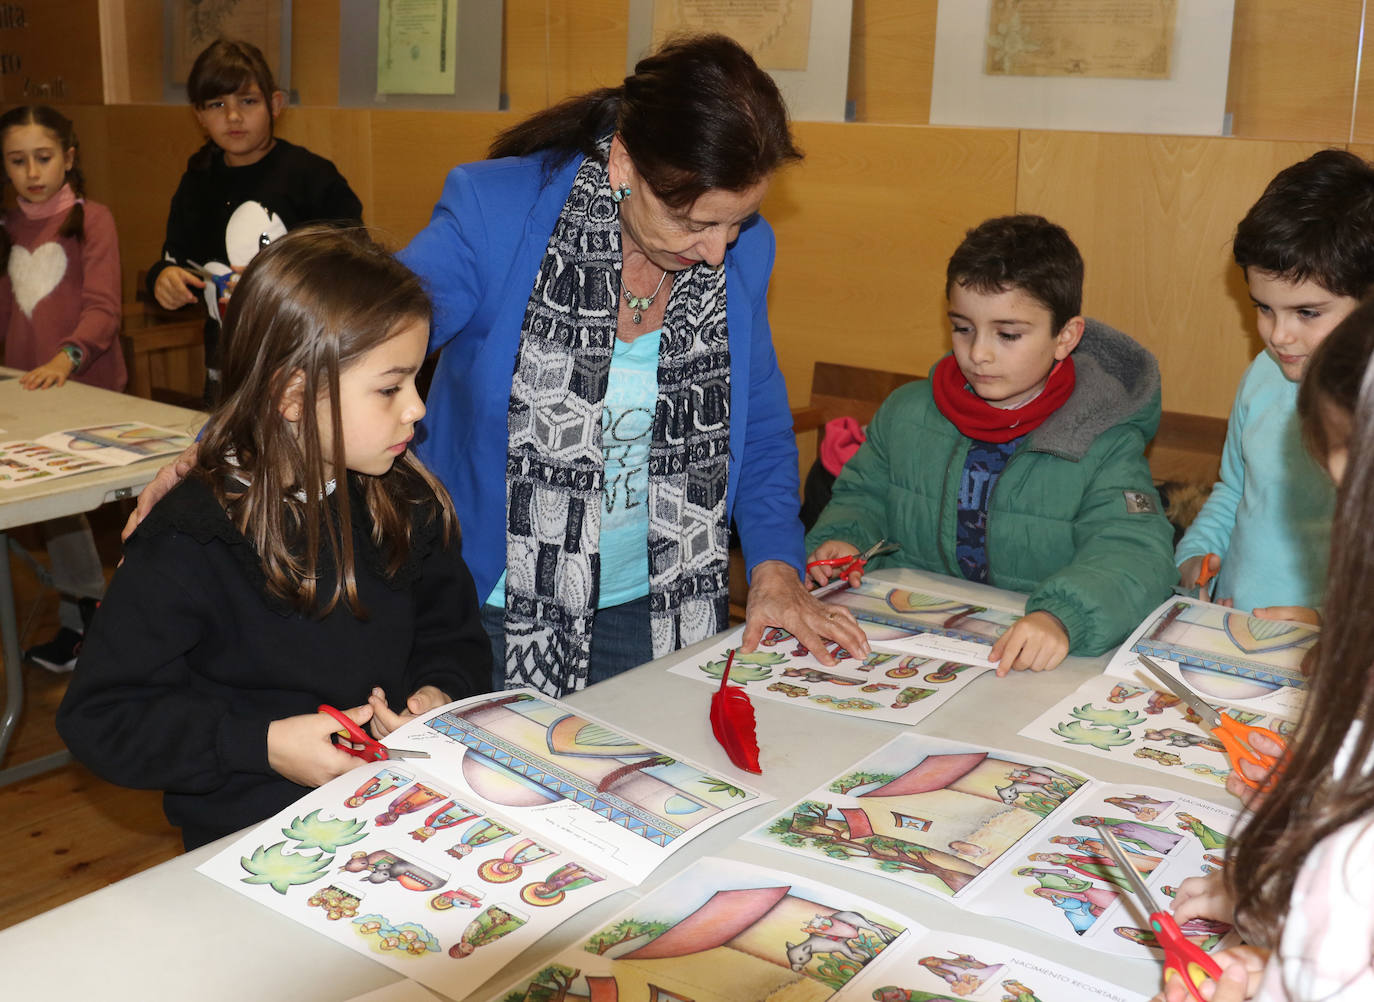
(93, 137)
(1293, 68)
(141, 52)
(412, 154)
(343, 135)
(1362, 128)
(891, 58)
(148, 146)
(59, 54)
(1153, 217)
(315, 51)
(556, 48)
(865, 226)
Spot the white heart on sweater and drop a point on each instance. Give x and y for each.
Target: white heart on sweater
(36, 274)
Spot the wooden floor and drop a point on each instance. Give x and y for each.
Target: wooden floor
(67, 833)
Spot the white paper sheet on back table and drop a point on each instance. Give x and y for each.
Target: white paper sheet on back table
(1252, 668)
(445, 868)
(926, 647)
(1006, 834)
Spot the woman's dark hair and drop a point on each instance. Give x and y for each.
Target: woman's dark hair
(65, 133)
(1314, 221)
(226, 66)
(1023, 252)
(307, 307)
(1326, 781)
(696, 115)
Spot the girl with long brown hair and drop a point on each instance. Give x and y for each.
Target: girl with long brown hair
(309, 558)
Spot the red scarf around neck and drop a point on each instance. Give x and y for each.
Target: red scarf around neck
(980, 420)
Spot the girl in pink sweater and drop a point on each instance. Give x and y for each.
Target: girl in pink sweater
(59, 318)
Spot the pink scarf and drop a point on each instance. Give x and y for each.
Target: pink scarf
(60, 203)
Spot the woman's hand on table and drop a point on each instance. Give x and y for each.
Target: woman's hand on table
(1035, 642)
(778, 598)
(53, 372)
(1242, 968)
(167, 478)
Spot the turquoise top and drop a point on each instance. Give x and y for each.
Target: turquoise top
(627, 419)
(1269, 517)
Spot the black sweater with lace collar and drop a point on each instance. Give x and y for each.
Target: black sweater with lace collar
(189, 659)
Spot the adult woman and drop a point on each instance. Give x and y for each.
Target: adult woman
(599, 290)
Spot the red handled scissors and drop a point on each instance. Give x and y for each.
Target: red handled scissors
(355, 741)
(850, 562)
(1235, 737)
(1181, 956)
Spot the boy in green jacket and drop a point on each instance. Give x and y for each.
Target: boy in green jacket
(1020, 461)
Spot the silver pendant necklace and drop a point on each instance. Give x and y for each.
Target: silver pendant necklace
(638, 304)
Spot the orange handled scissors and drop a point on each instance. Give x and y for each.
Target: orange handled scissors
(849, 562)
(1235, 737)
(1182, 957)
(355, 741)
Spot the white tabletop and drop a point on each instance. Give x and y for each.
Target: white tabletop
(27, 414)
(171, 933)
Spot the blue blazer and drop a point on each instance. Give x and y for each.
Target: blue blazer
(479, 257)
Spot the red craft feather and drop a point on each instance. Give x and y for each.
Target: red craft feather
(732, 722)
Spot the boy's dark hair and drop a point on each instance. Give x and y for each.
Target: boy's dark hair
(1024, 252)
(1314, 221)
(224, 67)
(61, 128)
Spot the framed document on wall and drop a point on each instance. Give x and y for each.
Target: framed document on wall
(803, 44)
(424, 54)
(1095, 65)
(190, 25)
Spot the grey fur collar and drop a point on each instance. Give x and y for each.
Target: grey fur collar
(1116, 382)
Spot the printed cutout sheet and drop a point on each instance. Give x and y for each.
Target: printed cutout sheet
(1246, 667)
(445, 868)
(725, 931)
(889, 613)
(888, 684)
(80, 450)
(1005, 834)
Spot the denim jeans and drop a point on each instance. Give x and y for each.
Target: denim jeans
(620, 640)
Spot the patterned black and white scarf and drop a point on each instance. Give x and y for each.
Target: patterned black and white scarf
(554, 470)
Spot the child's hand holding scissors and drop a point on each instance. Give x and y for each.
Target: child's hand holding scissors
(1241, 970)
(422, 700)
(302, 748)
(1197, 573)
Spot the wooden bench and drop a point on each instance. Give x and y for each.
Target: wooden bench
(164, 350)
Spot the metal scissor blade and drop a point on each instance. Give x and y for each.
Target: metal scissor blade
(405, 753)
(1132, 874)
(881, 546)
(1210, 718)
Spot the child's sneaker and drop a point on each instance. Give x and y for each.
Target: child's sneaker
(59, 653)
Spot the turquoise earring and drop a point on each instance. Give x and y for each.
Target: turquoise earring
(618, 195)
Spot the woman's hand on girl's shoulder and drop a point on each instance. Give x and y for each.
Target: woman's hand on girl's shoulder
(301, 748)
(159, 487)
